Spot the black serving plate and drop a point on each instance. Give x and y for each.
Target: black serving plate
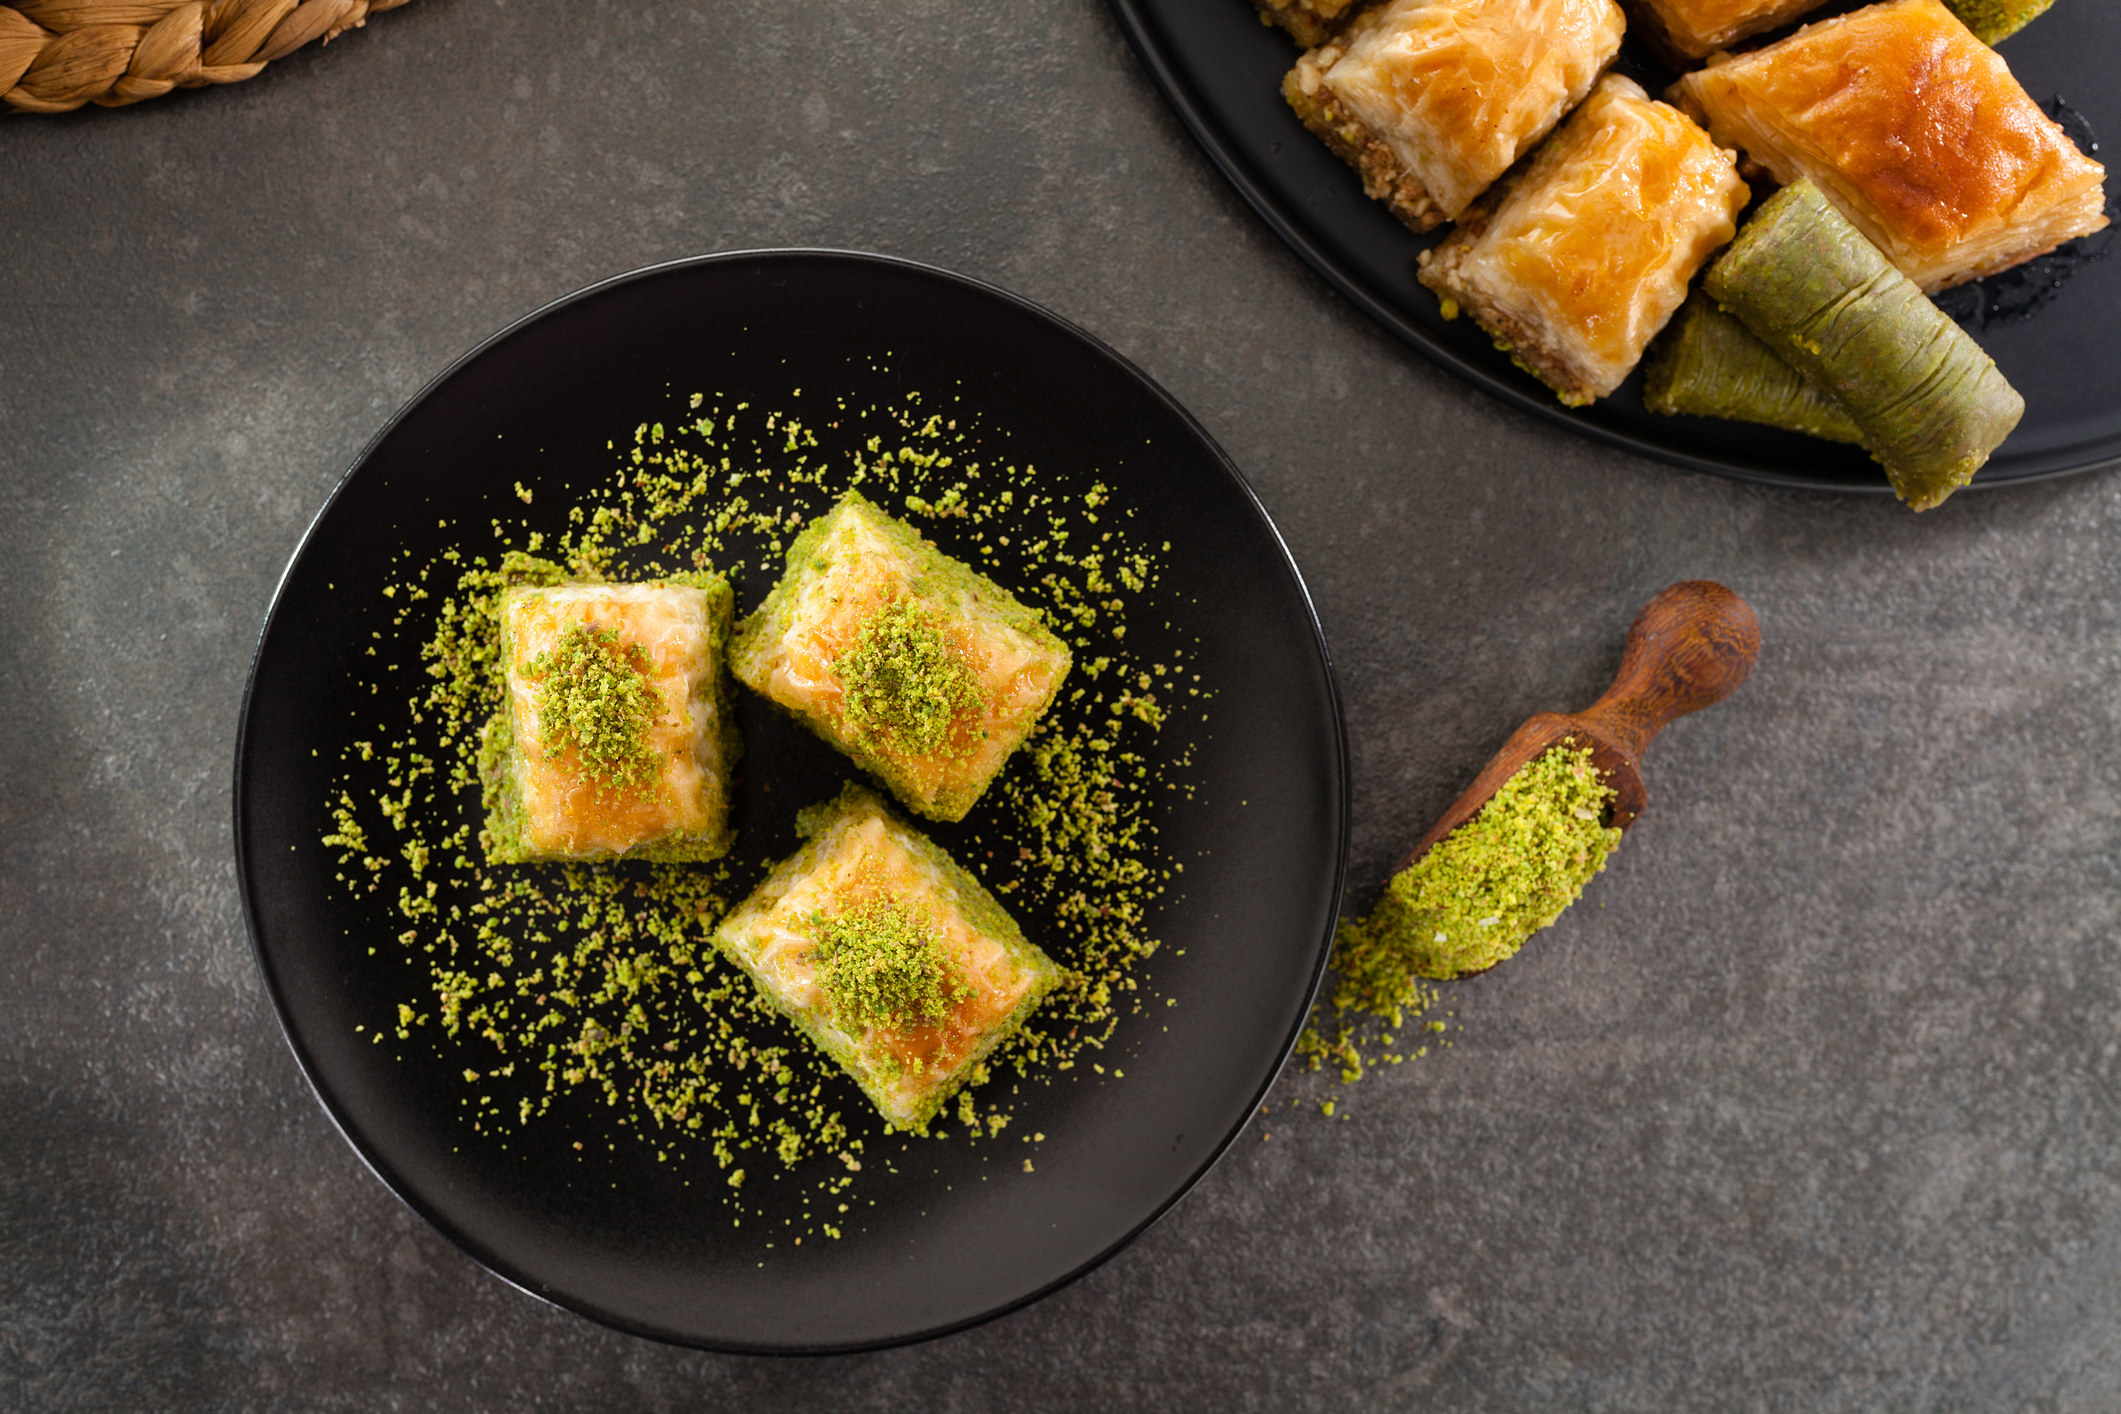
(2053, 328)
(960, 1233)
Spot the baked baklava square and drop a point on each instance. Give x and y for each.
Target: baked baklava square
(1915, 130)
(923, 670)
(1590, 250)
(895, 961)
(1432, 100)
(614, 738)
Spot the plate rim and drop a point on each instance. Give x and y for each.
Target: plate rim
(1144, 37)
(246, 884)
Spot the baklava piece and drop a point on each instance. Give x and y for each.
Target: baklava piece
(1310, 22)
(1591, 248)
(1916, 131)
(1432, 100)
(923, 670)
(896, 962)
(614, 738)
(1708, 364)
(1928, 402)
(1693, 29)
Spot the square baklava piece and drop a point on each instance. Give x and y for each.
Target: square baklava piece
(896, 962)
(1915, 130)
(614, 738)
(1591, 248)
(1432, 100)
(924, 671)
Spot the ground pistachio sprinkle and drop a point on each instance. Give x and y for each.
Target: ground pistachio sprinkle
(882, 963)
(584, 1005)
(1471, 901)
(593, 694)
(905, 683)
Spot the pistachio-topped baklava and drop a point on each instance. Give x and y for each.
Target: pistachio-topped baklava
(614, 736)
(926, 672)
(896, 962)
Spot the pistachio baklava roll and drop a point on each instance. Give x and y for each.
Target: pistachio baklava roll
(1994, 21)
(1930, 404)
(1708, 364)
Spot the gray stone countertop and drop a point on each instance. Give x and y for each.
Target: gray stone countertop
(1810, 1104)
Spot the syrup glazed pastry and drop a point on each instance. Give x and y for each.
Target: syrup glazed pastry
(1432, 100)
(1694, 29)
(614, 737)
(1592, 247)
(923, 670)
(1915, 130)
(894, 961)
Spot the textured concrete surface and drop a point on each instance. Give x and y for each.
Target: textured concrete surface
(1811, 1105)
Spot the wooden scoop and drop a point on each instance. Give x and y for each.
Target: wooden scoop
(1688, 649)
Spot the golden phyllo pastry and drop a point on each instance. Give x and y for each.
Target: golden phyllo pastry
(1694, 28)
(923, 670)
(893, 960)
(1591, 248)
(614, 737)
(1432, 100)
(1916, 131)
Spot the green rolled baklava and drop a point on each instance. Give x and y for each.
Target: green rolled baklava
(923, 670)
(1930, 404)
(895, 961)
(1708, 364)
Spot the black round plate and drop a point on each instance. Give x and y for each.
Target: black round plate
(1221, 70)
(963, 1234)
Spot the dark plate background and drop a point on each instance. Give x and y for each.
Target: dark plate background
(1221, 70)
(961, 1233)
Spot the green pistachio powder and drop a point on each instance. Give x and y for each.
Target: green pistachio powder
(1468, 903)
(594, 988)
(594, 695)
(883, 964)
(903, 682)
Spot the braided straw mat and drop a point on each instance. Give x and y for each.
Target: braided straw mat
(56, 55)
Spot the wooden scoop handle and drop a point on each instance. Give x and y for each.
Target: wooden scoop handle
(1689, 648)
